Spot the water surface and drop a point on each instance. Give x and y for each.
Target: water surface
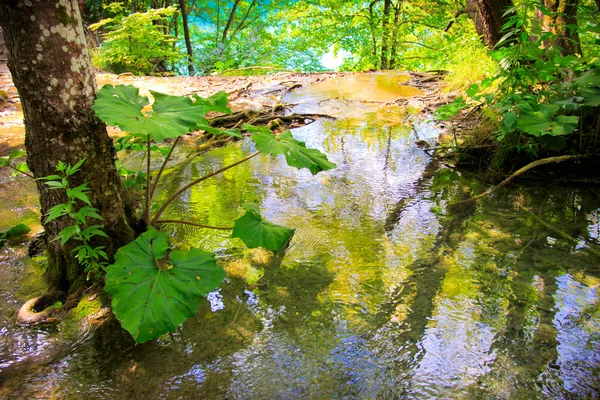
(384, 292)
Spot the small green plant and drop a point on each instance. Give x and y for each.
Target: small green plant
(449, 112)
(20, 168)
(153, 290)
(93, 258)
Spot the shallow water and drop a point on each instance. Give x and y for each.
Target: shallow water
(384, 292)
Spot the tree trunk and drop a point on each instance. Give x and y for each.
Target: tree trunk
(50, 66)
(186, 33)
(385, 36)
(491, 13)
(230, 21)
(564, 13)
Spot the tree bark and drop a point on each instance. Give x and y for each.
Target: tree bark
(563, 14)
(385, 36)
(492, 18)
(230, 20)
(50, 66)
(186, 33)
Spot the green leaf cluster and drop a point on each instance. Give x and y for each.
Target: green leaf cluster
(93, 258)
(139, 42)
(20, 168)
(296, 153)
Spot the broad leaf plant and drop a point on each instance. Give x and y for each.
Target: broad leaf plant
(153, 289)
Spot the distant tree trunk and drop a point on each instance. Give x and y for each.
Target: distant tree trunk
(395, 32)
(473, 13)
(564, 14)
(385, 37)
(50, 66)
(186, 33)
(230, 21)
(373, 25)
(491, 14)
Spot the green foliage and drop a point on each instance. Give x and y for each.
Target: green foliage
(256, 232)
(139, 43)
(20, 168)
(93, 258)
(15, 231)
(295, 151)
(154, 290)
(544, 94)
(171, 116)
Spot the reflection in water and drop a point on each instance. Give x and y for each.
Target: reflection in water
(384, 292)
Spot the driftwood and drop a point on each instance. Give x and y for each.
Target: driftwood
(260, 118)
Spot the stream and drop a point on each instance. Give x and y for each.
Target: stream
(386, 290)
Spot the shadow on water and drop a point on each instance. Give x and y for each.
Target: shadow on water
(385, 290)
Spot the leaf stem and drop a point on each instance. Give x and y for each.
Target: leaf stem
(147, 215)
(23, 172)
(197, 181)
(162, 168)
(177, 221)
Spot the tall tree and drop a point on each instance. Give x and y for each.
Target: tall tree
(186, 34)
(50, 66)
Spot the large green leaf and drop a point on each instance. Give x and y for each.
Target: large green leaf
(122, 105)
(295, 151)
(154, 292)
(216, 102)
(171, 116)
(537, 123)
(257, 232)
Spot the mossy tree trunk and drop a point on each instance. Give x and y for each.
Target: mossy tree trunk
(50, 66)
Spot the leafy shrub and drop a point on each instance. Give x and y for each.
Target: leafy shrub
(139, 43)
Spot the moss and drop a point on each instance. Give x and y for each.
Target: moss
(64, 17)
(31, 283)
(88, 310)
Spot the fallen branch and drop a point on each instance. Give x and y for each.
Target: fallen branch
(537, 163)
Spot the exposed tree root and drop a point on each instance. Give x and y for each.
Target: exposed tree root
(260, 118)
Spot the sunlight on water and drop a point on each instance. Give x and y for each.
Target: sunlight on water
(384, 292)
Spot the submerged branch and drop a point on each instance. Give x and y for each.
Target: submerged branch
(177, 221)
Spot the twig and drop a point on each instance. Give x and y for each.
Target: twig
(537, 163)
(177, 221)
(197, 181)
(23, 172)
(255, 67)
